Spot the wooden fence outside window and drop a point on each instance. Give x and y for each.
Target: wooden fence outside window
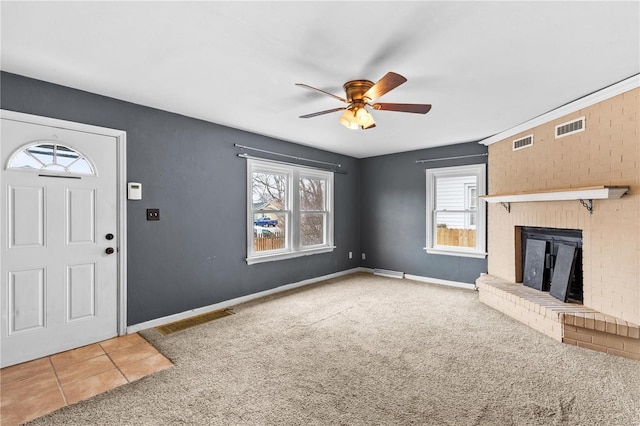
(267, 243)
(456, 237)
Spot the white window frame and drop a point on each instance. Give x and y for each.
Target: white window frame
(470, 203)
(478, 170)
(293, 247)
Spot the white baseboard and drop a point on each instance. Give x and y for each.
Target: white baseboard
(426, 279)
(440, 282)
(233, 302)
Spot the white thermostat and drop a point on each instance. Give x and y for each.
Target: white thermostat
(134, 191)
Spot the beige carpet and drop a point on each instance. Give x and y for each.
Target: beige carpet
(367, 350)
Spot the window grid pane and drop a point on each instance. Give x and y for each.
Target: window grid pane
(269, 231)
(452, 229)
(65, 156)
(269, 191)
(312, 229)
(43, 153)
(312, 194)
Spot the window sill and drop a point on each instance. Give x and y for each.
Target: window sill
(460, 253)
(288, 255)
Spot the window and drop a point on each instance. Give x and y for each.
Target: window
(455, 218)
(51, 157)
(290, 211)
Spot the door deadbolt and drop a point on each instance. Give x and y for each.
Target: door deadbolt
(109, 250)
(109, 236)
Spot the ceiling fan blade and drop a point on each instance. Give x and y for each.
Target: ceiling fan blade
(390, 81)
(315, 114)
(415, 108)
(306, 86)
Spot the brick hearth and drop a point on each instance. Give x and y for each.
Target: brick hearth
(570, 323)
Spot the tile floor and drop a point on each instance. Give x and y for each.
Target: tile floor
(38, 387)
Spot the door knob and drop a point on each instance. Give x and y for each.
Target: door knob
(109, 250)
(109, 236)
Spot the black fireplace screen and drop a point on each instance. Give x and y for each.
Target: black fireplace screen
(552, 261)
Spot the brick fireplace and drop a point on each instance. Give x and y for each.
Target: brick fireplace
(601, 150)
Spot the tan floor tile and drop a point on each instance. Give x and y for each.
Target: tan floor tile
(143, 367)
(76, 355)
(31, 408)
(32, 387)
(25, 370)
(121, 342)
(83, 369)
(94, 385)
(133, 353)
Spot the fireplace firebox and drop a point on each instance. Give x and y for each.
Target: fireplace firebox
(552, 261)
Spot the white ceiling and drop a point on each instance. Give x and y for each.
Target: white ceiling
(484, 66)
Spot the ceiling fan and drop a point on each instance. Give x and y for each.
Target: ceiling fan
(360, 94)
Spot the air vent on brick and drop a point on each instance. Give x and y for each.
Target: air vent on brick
(570, 128)
(525, 142)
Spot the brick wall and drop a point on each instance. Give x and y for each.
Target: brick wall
(606, 153)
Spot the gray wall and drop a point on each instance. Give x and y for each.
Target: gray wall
(194, 256)
(393, 208)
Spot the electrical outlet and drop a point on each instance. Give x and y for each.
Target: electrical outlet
(153, 214)
(364, 256)
(350, 255)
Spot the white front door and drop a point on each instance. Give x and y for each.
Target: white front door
(58, 237)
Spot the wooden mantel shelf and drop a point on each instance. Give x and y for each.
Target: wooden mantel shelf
(589, 193)
(586, 193)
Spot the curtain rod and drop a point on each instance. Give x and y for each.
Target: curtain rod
(288, 156)
(451, 158)
(250, 157)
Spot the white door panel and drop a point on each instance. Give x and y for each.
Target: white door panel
(81, 291)
(81, 216)
(59, 287)
(26, 300)
(26, 216)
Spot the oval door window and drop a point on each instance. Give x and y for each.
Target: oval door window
(52, 157)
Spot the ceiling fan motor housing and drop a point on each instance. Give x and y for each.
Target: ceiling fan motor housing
(356, 89)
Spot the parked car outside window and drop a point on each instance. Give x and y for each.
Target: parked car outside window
(265, 221)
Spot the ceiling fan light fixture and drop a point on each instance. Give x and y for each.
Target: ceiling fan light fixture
(348, 120)
(361, 115)
(364, 119)
(369, 124)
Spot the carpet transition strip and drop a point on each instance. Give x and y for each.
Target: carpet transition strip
(193, 321)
